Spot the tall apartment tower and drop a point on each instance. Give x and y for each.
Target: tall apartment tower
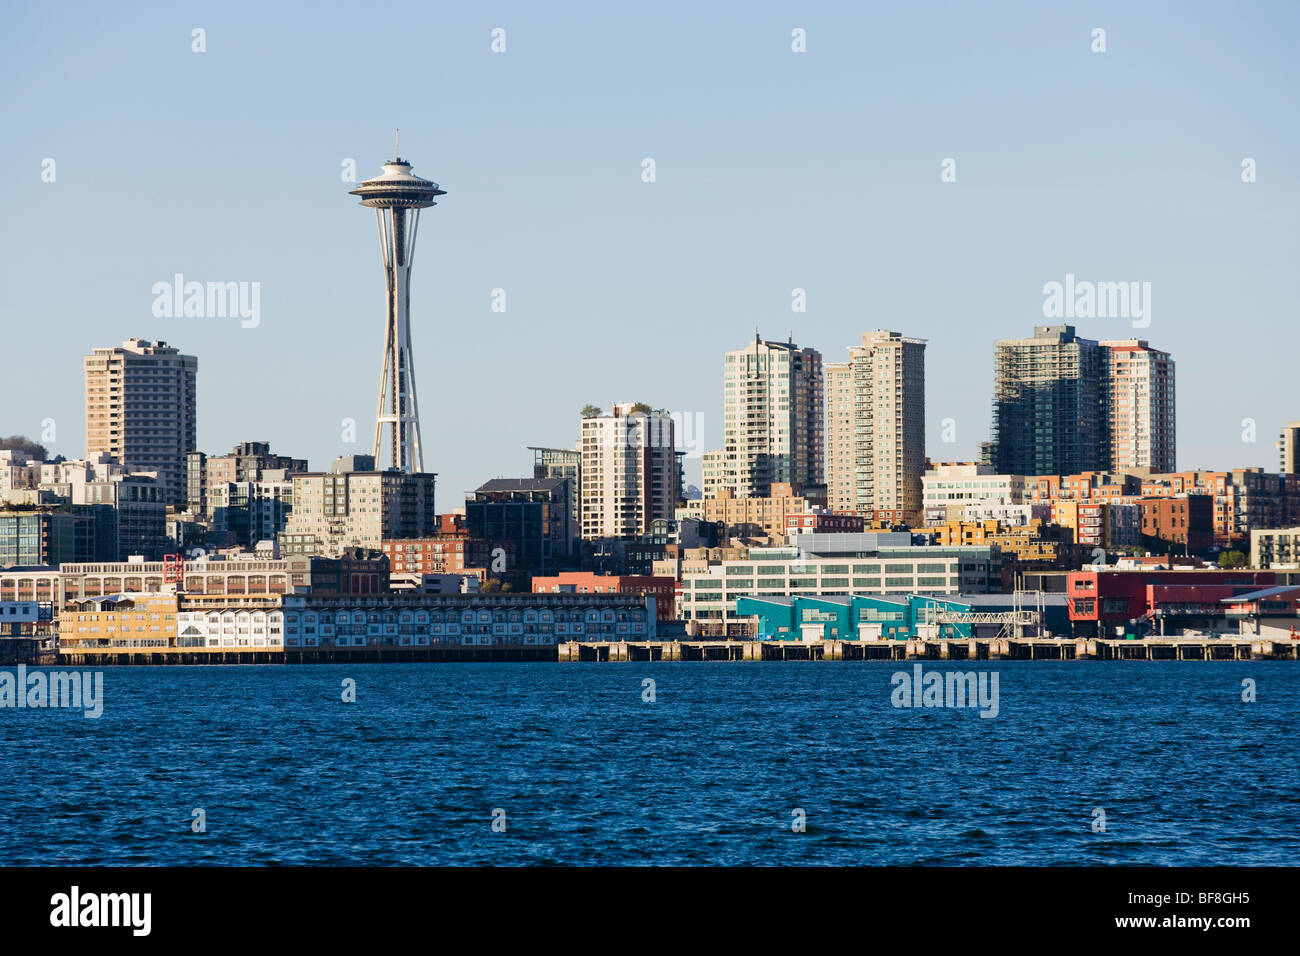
(140, 409)
(875, 427)
(839, 436)
(1139, 395)
(1288, 449)
(629, 472)
(1049, 412)
(773, 422)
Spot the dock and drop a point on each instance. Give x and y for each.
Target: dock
(982, 649)
(917, 649)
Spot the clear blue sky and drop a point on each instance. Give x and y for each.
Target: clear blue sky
(775, 170)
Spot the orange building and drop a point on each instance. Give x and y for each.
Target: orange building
(1085, 486)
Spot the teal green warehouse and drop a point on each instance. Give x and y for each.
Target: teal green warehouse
(853, 617)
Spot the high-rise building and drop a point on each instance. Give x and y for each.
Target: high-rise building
(397, 196)
(875, 415)
(1049, 414)
(1066, 405)
(1139, 394)
(629, 472)
(1288, 449)
(561, 463)
(140, 408)
(839, 436)
(773, 422)
(353, 505)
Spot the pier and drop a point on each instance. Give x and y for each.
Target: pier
(917, 649)
(983, 649)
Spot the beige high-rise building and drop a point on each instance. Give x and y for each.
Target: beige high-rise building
(875, 414)
(1288, 449)
(629, 472)
(773, 421)
(1138, 389)
(140, 408)
(839, 436)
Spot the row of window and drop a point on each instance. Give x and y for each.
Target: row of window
(396, 630)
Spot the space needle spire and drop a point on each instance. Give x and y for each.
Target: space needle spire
(397, 196)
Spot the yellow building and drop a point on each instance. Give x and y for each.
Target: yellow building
(131, 623)
(1036, 544)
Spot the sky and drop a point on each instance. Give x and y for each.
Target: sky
(774, 170)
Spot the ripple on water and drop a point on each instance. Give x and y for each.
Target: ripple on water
(586, 773)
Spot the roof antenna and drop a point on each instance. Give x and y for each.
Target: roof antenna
(397, 142)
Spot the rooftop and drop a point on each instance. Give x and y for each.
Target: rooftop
(521, 484)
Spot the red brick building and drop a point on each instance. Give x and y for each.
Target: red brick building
(444, 554)
(1243, 500)
(1185, 522)
(663, 590)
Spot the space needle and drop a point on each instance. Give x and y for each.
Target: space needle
(397, 196)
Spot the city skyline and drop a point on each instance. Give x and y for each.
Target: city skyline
(1274, 438)
(852, 435)
(961, 263)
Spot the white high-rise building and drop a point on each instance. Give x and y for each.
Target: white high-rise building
(875, 413)
(1138, 382)
(629, 472)
(140, 409)
(773, 422)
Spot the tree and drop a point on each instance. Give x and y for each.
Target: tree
(641, 407)
(22, 443)
(592, 411)
(490, 586)
(1232, 559)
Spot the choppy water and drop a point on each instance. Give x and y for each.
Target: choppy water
(710, 773)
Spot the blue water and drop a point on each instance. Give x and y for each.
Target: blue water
(587, 773)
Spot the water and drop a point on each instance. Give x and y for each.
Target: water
(587, 773)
